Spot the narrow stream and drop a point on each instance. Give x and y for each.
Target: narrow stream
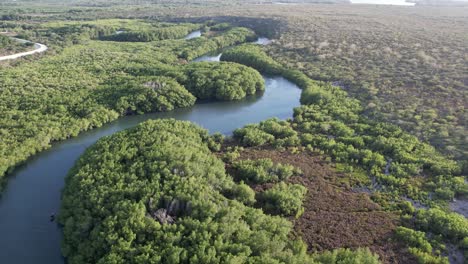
(33, 191)
(194, 34)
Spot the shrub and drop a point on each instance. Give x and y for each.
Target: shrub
(413, 238)
(285, 199)
(215, 141)
(243, 193)
(426, 258)
(251, 135)
(263, 171)
(444, 193)
(271, 131)
(315, 94)
(451, 225)
(222, 81)
(347, 256)
(144, 95)
(231, 154)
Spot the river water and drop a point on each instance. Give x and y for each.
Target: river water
(33, 191)
(194, 34)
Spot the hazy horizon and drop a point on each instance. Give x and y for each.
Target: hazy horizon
(383, 2)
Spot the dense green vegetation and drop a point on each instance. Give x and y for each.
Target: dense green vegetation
(163, 165)
(407, 67)
(180, 87)
(222, 81)
(5, 41)
(271, 131)
(263, 171)
(284, 198)
(87, 85)
(419, 245)
(67, 32)
(151, 35)
(154, 193)
(333, 123)
(61, 34)
(414, 238)
(9, 46)
(329, 122)
(450, 225)
(144, 95)
(200, 46)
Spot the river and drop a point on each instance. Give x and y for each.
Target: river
(194, 34)
(33, 191)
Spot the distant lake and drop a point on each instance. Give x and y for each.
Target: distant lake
(383, 2)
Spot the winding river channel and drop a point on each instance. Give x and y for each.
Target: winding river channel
(33, 190)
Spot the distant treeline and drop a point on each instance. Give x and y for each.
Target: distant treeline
(152, 34)
(439, 2)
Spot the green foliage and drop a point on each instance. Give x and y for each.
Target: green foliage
(222, 81)
(464, 247)
(5, 41)
(315, 94)
(412, 238)
(450, 225)
(75, 32)
(156, 94)
(220, 27)
(407, 208)
(271, 131)
(253, 56)
(199, 46)
(285, 199)
(231, 154)
(80, 87)
(152, 34)
(251, 135)
(347, 256)
(113, 192)
(336, 125)
(215, 141)
(397, 78)
(446, 188)
(243, 193)
(424, 257)
(10, 46)
(263, 171)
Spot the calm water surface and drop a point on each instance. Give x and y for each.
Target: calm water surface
(194, 34)
(33, 191)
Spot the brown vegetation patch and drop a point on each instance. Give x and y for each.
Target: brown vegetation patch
(335, 216)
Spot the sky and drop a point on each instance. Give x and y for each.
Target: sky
(382, 2)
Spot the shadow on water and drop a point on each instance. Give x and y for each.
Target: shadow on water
(33, 191)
